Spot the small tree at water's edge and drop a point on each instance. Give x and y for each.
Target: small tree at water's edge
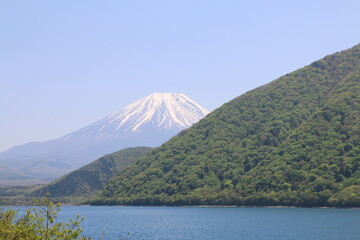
(38, 223)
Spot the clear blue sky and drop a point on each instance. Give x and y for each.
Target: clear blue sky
(65, 64)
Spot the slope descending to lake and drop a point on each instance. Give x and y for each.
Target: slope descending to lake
(294, 141)
(90, 179)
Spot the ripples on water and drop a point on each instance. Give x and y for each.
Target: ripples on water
(216, 223)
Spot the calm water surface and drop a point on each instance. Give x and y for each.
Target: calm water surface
(163, 223)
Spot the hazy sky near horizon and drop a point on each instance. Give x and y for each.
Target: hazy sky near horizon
(66, 64)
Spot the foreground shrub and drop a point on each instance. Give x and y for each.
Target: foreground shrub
(39, 223)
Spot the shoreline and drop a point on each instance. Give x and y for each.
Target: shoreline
(187, 206)
(223, 206)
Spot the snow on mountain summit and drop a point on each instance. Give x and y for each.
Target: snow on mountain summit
(162, 109)
(159, 110)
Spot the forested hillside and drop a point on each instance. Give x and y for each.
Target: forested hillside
(294, 141)
(91, 178)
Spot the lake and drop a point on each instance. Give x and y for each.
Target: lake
(227, 223)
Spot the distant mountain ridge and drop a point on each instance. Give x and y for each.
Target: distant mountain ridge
(91, 178)
(149, 121)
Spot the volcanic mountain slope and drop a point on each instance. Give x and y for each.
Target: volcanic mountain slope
(91, 178)
(169, 111)
(148, 122)
(294, 141)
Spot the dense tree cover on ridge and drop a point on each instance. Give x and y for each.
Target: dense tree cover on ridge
(91, 178)
(294, 141)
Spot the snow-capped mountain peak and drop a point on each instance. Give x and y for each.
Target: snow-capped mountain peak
(168, 111)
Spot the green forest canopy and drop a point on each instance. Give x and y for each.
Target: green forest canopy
(294, 141)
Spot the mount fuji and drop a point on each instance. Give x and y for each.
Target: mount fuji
(149, 121)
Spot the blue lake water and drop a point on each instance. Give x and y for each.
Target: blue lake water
(164, 223)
